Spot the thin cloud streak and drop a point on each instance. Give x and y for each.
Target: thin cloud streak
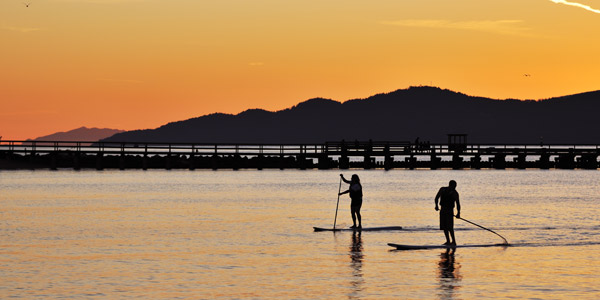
(586, 7)
(20, 29)
(506, 27)
(102, 1)
(120, 80)
(28, 113)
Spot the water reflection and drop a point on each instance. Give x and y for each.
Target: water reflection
(356, 261)
(449, 274)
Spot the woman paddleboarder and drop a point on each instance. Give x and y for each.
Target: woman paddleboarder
(356, 195)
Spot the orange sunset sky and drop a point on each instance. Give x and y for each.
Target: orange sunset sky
(136, 64)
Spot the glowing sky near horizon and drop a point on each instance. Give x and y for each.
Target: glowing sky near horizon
(136, 64)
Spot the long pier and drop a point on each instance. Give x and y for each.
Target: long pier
(386, 155)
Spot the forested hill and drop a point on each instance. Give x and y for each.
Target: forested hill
(426, 112)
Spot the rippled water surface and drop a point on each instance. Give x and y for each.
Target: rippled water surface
(248, 234)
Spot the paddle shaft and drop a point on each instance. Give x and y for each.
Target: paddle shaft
(338, 203)
(505, 241)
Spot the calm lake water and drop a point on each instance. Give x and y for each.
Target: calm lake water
(248, 235)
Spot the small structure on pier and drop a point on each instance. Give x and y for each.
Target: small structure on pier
(457, 141)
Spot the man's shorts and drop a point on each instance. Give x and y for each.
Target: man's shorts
(446, 220)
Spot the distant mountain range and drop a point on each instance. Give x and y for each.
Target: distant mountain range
(80, 134)
(429, 113)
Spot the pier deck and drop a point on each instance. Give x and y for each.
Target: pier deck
(330, 155)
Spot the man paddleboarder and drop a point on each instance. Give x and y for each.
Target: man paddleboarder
(448, 197)
(356, 195)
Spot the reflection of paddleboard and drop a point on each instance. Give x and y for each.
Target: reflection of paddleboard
(360, 229)
(419, 247)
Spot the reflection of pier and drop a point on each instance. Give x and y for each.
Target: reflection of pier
(343, 155)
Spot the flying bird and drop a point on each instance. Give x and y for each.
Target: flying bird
(527, 75)
(27, 4)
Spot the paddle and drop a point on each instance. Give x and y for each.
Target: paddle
(505, 241)
(338, 203)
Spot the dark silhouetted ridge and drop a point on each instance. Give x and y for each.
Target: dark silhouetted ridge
(429, 113)
(80, 134)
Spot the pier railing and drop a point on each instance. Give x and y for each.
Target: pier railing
(244, 149)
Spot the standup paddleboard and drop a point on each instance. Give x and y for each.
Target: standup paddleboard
(360, 229)
(421, 247)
